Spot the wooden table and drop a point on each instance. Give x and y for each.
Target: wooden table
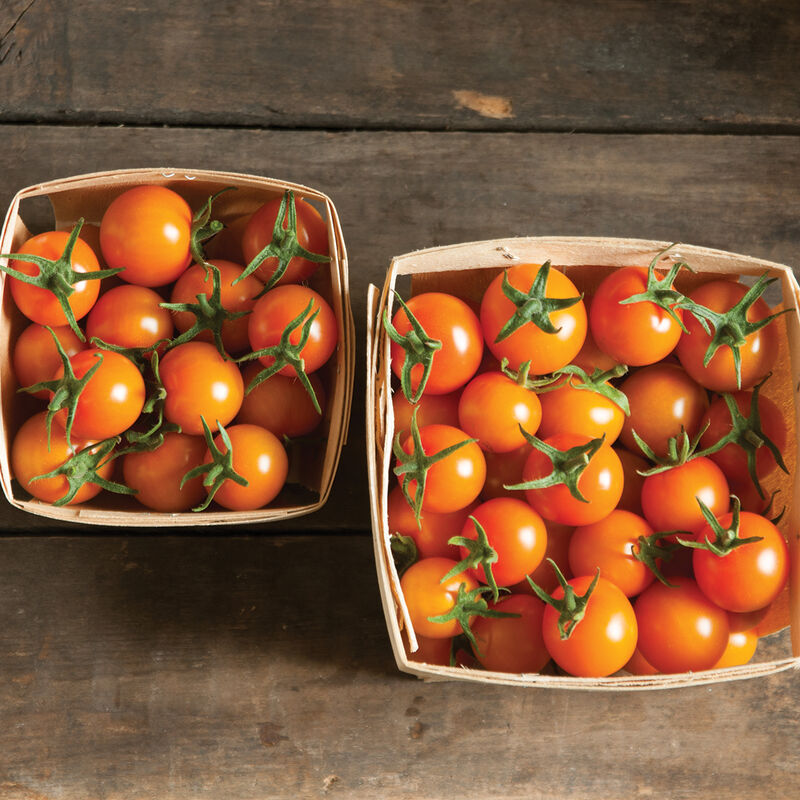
(251, 663)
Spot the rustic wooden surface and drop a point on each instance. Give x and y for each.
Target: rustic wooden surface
(255, 663)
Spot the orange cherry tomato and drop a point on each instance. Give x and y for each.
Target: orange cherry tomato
(36, 357)
(431, 409)
(632, 465)
(740, 649)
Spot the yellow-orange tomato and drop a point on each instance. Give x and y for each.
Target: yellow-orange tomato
(36, 357)
(740, 649)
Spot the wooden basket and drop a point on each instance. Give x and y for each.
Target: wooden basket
(466, 270)
(312, 466)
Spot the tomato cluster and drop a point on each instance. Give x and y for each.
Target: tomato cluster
(580, 479)
(154, 368)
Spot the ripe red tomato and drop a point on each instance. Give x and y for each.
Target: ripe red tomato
(512, 644)
(36, 357)
(112, 399)
(680, 629)
(603, 641)
(610, 544)
(200, 383)
(750, 576)
(312, 235)
(600, 484)
(427, 596)
(156, 475)
(454, 481)
(275, 311)
(33, 455)
(632, 333)
(515, 532)
(41, 305)
(434, 531)
(450, 321)
(732, 458)
(280, 404)
(258, 457)
(663, 400)
(146, 231)
(669, 498)
(757, 354)
(441, 409)
(493, 407)
(547, 352)
(129, 316)
(234, 297)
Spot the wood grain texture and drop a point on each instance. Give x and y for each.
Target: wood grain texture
(398, 192)
(626, 65)
(244, 668)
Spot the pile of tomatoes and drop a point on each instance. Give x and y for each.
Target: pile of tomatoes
(580, 480)
(151, 366)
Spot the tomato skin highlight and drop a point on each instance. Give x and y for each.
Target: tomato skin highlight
(750, 576)
(129, 316)
(456, 480)
(512, 644)
(680, 629)
(156, 475)
(426, 596)
(493, 407)
(450, 321)
(41, 305)
(515, 531)
(546, 351)
(200, 382)
(631, 333)
(757, 354)
(603, 641)
(740, 649)
(600, 483)
(31, 456)
(146, 231)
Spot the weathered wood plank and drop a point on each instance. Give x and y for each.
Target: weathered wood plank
(627, 65)
(398, 192)
(187, 667)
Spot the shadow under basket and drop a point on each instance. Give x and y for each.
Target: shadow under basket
(312, 463)
(466, 270)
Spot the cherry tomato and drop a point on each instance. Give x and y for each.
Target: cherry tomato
(740, 649)
(431, 409)
(234, 297)
(512, 644)
(732, 458)
(432, 535)
(493, 407)
(426, 596)
(146, 230)
(129, 316)
(680, 629)
(276, 309)
(430, 651)
(156, 475)
(258, 457)
(750, 576)
(757, 354)
(591, 357)
(454, 481)
(547, 352)
(450, 321)
(610, 544)
(557, 550)
(33, 455)
(41, 305)
(663, 400)
(600, 484)
(603, 641)
(112, 399)
(745, 621)
(312, 235)
(632, 465)
(504, 469)
(280, 404)
(200, 383)
(639, 665)
(579, 411)
(669, 498)
(36, 357)
(515, 532)
(632, 333)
